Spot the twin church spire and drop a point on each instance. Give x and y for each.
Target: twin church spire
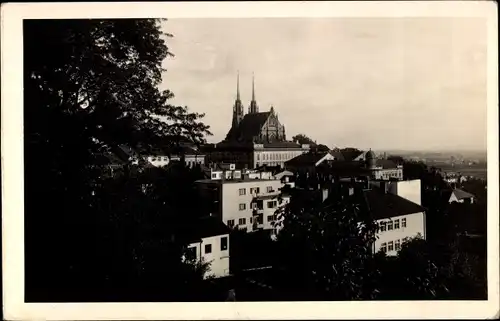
(238, 106)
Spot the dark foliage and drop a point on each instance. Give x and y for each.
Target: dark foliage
(90, 85)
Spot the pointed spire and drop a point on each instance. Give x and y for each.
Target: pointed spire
(238, 86)
(253, 86)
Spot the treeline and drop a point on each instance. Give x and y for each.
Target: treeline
(90, 85)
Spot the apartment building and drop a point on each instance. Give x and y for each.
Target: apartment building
(245, 203)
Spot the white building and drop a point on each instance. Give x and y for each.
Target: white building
(396, 209)
(244, 203)
(209, 242)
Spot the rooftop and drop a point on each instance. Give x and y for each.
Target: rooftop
(234, 181)
(203, 227)
(307, 159)
(386, 205)
(461, 194)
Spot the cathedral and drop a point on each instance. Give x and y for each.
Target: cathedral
(255, 126)
(255, 139)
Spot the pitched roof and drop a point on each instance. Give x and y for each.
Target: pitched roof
(249, 126)
(203, 227)
(307, 159)
(350, 154)
(337, 154)
(282, 145)
(386, 163)
(385, 205)
(282, 174)
(461, 194)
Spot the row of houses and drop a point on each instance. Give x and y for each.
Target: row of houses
(247, 199)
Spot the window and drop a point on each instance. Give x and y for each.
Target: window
(223, 243)
(403, 222)
(165, 158)
(398, 245)
(269, 189)
(389, 225)
(383, 226)
(242, 221)
(271, 204)
(214, 175)
(396, 224)
(383, 247)
(270, 218)
(260, 219)
(390, 247)
(230, 223)
(243, 206)
(208, 248)
(242, 191)
(257, 190)
(153, 159)
(250, 220)
(258, 157)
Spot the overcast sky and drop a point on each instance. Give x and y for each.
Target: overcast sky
(380, 83)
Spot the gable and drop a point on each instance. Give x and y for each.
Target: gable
(327, 157)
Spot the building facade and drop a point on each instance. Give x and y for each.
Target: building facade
(208, 242)
(248, 204)
(396, 207)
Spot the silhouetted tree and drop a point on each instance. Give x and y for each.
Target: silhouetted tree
(325, 248)
(90, 85)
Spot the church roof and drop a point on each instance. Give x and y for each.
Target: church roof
(249, 126)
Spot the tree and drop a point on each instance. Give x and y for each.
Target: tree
(90, 85)
(325, 248)
(303, 139)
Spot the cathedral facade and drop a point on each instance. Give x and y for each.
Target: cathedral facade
(255, 139)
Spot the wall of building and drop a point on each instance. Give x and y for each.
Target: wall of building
(159, 161)
(410, 190)
(275, 157)
(415, 224)
(218, 257)
(387, 174)
(237, 210)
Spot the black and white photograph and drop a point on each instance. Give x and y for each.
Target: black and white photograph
(273, 153)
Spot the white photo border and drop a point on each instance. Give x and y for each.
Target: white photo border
(12, 15)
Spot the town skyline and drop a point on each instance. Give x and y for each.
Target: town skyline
(417, 75)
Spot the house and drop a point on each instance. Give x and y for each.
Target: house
(348, 163)
(245, 203)
(398, 219)
(458, 195)
(208, 241)
(308, 162)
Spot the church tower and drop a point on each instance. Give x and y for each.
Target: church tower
(253, 109)
(238, 106)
